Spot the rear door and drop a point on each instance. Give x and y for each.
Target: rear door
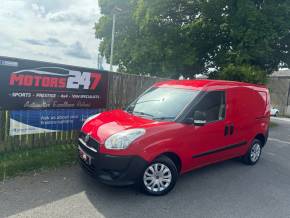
(249, 113)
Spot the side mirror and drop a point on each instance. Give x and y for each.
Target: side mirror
(188, 120)
(199, 118)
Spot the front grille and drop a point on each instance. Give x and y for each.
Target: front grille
(91, 143)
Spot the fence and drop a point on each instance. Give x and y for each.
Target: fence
(123, 88)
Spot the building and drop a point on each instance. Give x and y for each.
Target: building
(279, 86)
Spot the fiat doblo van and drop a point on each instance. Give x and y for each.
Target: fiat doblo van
(173, 128)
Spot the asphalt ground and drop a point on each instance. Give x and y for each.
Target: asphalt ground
(227, 189)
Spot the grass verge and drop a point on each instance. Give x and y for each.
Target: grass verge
(272, 124)
(37, 159)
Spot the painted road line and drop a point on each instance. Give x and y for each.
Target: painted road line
(278, 140)
(281, 119)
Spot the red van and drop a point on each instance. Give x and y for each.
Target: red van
(173, 128)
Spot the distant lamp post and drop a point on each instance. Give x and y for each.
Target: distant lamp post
(115, 11)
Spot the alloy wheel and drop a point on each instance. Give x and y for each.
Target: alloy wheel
(255, 152)
(157, 177)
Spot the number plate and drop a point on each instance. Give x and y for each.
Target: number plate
(85, 157)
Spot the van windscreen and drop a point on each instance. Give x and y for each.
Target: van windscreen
(162, 103)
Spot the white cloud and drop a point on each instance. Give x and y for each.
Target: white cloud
(51, 42)
(77, 50)
(55, 30)
(38, 10)
(73, 14)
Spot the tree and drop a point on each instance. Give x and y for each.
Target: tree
(170, 37)
(244, 73)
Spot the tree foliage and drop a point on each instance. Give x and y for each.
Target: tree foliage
(244, 73)
(170, 37)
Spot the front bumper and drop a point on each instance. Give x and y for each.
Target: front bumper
(112, 170)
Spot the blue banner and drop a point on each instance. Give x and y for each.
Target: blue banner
(25, 122)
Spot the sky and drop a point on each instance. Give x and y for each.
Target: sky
(59, 31)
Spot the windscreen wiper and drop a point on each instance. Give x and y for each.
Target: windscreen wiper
(164, 118)
(142, 113)
(141, 102)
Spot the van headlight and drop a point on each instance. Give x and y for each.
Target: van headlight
(122, 140)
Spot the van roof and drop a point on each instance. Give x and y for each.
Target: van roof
(206, 84)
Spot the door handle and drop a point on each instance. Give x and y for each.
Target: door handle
(226, 130)
(231, 129)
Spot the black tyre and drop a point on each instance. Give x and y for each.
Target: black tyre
(159, 177)
(254, 153)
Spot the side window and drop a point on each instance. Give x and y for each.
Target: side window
(213, 105)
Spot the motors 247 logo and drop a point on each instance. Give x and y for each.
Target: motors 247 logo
(55, 77)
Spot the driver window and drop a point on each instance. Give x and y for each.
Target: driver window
(212, 105)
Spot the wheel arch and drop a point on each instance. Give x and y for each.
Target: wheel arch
(174, 157)
(262, 138)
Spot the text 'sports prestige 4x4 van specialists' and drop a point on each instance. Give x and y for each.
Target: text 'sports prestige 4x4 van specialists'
(175, 127)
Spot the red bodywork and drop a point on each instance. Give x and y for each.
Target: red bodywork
(247, 109)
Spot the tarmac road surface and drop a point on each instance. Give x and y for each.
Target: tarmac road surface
(228, 189)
